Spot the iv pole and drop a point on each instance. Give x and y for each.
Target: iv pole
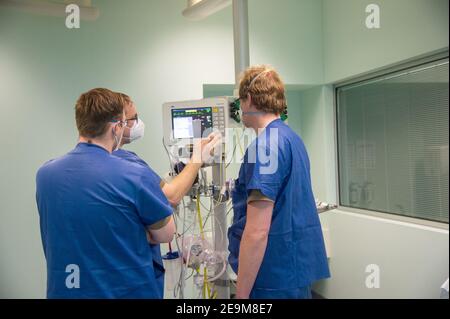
(242, 61)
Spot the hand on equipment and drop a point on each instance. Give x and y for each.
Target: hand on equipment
(205, 149)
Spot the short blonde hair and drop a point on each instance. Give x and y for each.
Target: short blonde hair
(265, 87)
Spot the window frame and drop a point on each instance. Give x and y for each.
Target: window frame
(377, 75)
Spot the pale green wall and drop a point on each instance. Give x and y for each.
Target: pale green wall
(141, 47)
(144, 48)
(413, 259)
(316, 128)
(409, 28)
(288, 35)
(148, 50)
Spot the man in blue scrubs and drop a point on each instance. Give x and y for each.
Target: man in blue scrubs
(97, 211)
(276, 243)
(175, 190)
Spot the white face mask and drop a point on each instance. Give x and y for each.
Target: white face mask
(137, 131)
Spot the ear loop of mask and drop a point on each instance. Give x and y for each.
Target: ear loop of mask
(116, 139)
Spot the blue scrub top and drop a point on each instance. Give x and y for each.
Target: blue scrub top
(277, 165)
(94, 208)
(158, 264)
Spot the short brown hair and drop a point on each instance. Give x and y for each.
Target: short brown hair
(95, 109)
(265, 87)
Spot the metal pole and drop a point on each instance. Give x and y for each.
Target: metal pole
(220, 232)
(241, 37)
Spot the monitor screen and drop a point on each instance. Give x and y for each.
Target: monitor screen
(190, 123)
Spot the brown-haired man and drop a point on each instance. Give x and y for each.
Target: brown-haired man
(96, 211)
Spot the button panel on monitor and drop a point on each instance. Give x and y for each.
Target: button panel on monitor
(219, 119)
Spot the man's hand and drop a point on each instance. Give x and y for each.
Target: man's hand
(205, 149)
(203, 152)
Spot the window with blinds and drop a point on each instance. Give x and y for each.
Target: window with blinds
(393, 140)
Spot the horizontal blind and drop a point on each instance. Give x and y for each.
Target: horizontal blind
(393, 140)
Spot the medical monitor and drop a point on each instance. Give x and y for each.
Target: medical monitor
(194, 119)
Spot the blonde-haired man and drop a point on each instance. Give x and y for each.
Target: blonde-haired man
(276, 243)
